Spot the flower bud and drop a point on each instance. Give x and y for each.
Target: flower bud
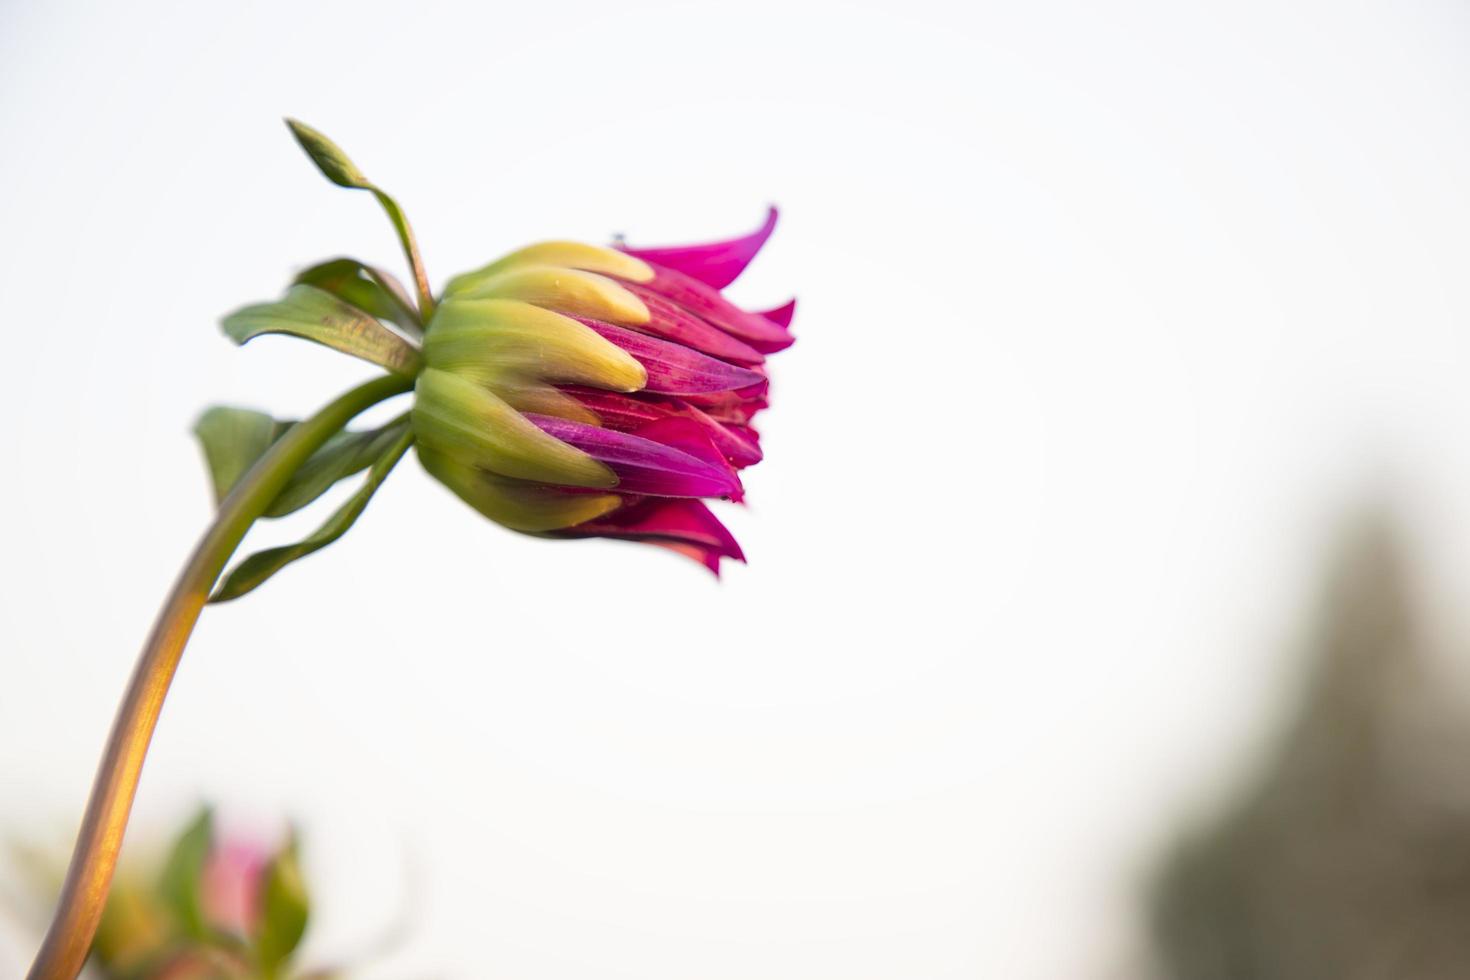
(582, 391)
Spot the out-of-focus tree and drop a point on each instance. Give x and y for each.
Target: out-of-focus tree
(1348, 858)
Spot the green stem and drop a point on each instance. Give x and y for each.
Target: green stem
(89, 876)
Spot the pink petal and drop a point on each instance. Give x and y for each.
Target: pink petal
(673, 322)
(740, 443)
(230, 891)
(732, 406)
(685, 526)
(745, 435)
(649, 462)
(764, 335)
(782, 314)
(674, 368)
(716, 264)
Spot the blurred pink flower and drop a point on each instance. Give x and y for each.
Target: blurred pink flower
(233, 879)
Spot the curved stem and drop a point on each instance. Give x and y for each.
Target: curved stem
(89, 875)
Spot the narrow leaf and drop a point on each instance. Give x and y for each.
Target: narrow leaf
(285, 908)
(317, 315)
(260, 566)
(344, 454)
(233, 439)
(370, 289)
(182, 883)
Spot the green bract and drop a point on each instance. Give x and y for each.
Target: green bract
(284, 910)
(182, 882)
(315, 314)
(367, 288)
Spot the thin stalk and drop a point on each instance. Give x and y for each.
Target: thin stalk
(410, 252)
(89, 876)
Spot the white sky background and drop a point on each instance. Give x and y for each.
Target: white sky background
(1107, 318)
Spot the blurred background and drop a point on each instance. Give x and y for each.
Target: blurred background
(1109, 565)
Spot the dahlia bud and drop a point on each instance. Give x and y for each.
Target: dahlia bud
(565, 389)
(586, 391)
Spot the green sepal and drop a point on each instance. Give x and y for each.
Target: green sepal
(475, 427)
(182, 882)
(233, 439)
(344, 454)
(259, 567)
(517, 504)
(368, 288)
(285, 909)
(315, 314)
(493, 340)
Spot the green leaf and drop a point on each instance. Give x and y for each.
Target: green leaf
(233, 439)
(344, 454)
(260, 566)
(284, 913)
(370, 289)
(317, 315)
(183, 875)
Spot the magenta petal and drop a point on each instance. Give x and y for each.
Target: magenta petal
(673, 322)
(647, 463)
(764, 335)
(728, 406)
(782, 314)
(628, 413)
(739, 443)
(716, 264)
(704, 554)
(688, 436)
(685, 526)
(622, 412)
(733, 406)
(673, 368)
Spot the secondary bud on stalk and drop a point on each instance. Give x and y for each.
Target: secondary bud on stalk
(216, 908)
